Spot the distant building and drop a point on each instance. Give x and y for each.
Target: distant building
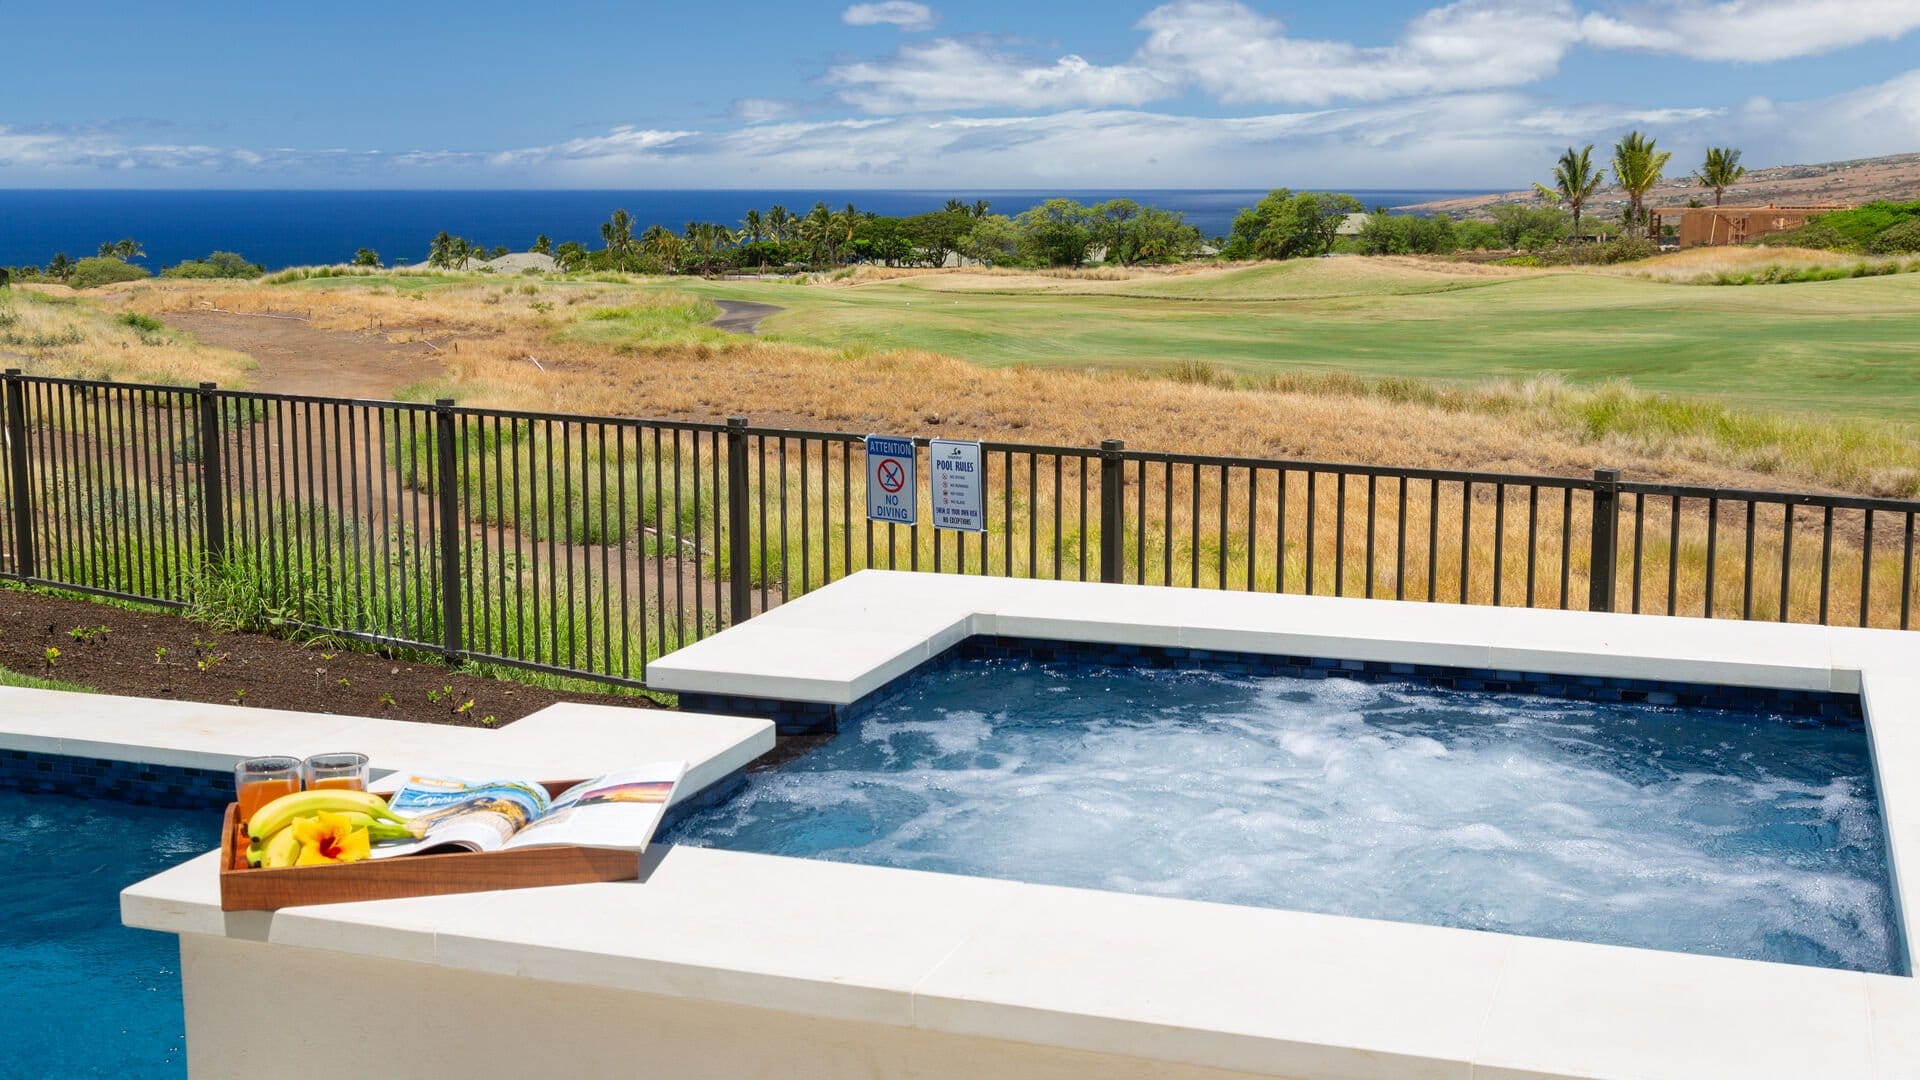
(1718, 226)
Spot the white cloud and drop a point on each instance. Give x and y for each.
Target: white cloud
(1751, 30)
(900, 13)
(949, 75)
(1239, 56)
(1231, 52)
(760, 110)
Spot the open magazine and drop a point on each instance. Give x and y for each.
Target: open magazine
(618, 810)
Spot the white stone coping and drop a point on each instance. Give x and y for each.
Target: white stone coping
(1264, 991)
(566, 741)
(837, 644)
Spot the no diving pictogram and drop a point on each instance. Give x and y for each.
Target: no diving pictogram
(891, 479)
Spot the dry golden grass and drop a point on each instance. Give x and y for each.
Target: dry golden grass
(1698, 265)
(692, 373)
(661, 365)
(48, 331)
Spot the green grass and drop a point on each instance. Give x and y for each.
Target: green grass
(1844, 347)
(9, 677)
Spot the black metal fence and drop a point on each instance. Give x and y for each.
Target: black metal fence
(585, 546)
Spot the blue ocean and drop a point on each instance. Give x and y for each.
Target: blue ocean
(296, 228)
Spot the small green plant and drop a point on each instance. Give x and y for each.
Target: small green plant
(159, 654)
(489, 720)
(344, 682)
(210, 661)
(146, 323)
(463, 706)
(239, 696)
(327, 656)
(387, 700)
(88, 633)
(51, 655)
(433, 697)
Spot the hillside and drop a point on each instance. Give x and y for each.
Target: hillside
(1862, 180)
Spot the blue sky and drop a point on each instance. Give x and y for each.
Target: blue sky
(900, 94)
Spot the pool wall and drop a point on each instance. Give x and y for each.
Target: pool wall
(818, 717)
(723, 963)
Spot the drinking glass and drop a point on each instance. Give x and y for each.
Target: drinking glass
(258, 781)
(337, 771)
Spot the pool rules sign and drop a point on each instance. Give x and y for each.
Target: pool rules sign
(959, 498)
(892, 492)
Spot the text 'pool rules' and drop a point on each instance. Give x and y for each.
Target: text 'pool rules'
(893, 494)
(959, 497)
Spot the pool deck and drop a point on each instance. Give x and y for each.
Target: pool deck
(724, 963)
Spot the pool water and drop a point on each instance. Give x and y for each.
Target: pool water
(1708, 831)
(86, 996)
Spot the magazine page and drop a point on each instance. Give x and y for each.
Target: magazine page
(463, 815)
(618, 810)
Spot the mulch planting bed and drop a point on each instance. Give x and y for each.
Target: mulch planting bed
(158, 655)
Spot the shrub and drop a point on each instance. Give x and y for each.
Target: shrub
(103, 270)
(146, 323)
(1902, 239)
(220, 264)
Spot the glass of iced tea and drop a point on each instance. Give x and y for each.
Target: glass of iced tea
(337, 771)
(259, 781)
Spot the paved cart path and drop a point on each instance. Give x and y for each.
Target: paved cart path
(742, 316)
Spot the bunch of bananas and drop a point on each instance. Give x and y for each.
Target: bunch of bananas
(325, 825)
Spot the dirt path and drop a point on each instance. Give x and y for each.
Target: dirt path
(742, 316)
(295, 358)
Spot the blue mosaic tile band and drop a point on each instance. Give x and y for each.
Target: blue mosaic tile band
(121, 781)
(1812, 707)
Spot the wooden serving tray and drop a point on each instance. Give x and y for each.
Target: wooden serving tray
(245, 888)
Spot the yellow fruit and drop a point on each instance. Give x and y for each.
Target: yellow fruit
(283, 849)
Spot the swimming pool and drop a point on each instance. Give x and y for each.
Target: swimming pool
(86, 995)
(1742, 832)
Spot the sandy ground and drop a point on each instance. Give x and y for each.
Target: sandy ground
(295, 358)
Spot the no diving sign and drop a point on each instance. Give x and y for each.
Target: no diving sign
(893, 493)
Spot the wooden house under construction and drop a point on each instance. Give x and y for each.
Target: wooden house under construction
(1717, 226)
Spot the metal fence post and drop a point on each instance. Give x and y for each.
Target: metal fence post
(213, 481)
(23, 556)
(1113, 527)
(452, 528)
(739, 546)
(1606, 533)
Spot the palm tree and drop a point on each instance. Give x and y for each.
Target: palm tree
(1721, 170)
(817, 230)
(60, 267)
(1637, 167)
(980, 209)
(955, 206)
(779, 223)
(617, 231)
(440, 255)
(662, 246)
(543, 244)
(129, 248)
(106, 250)
(1574, 182)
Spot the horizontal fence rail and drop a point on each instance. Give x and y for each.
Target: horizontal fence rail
(586, 546)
